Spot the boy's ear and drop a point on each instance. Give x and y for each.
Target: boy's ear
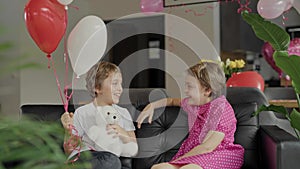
(207, 92)
(98, 91)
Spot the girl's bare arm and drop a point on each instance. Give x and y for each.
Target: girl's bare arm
(149, 109)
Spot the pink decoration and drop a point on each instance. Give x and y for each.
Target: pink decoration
(151, 5)
(246, 79)
(204, 11)
(294, 47)
(267, 52)
(244, 6)
(270, 9)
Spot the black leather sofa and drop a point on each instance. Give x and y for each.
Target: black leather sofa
(266, 145)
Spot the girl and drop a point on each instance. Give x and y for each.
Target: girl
(211, 119)
(104, 82)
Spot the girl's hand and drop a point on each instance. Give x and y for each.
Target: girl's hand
(67, 120)
(117, 131)
(147, 112)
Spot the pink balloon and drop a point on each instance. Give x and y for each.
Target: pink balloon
(270, 9)
(267, 52)
(294, 47)
(289, 4)
(151, 5)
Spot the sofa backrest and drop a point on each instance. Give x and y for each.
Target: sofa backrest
(245, 101)
(129, 95)
(44, 112)
(159, 141)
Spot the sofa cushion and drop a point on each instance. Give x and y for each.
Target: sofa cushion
(246, 132)
(160, 140)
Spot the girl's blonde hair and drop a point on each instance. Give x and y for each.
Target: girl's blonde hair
(211, 76)
(97, 74)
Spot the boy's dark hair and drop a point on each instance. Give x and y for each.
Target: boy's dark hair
(97, 74)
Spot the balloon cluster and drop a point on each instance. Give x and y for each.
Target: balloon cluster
(46, 22)
(270, 9)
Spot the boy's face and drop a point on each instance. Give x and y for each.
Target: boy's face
(111, 89)
(195, 93)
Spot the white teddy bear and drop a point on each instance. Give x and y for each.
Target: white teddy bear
(98, 133)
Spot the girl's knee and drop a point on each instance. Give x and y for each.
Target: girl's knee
(164, 166)
(191, 166)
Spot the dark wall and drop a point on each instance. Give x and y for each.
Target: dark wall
(140, 56)
(235, 32)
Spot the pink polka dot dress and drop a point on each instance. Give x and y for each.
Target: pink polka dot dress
(227, 155)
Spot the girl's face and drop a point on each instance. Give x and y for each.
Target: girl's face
(111, 90)
(196, 94)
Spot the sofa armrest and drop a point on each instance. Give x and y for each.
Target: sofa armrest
(279, 149)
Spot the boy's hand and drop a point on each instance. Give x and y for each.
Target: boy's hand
(67, 120)
(117, 131)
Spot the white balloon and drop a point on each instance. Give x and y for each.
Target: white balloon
(87, 43)
(65, 2)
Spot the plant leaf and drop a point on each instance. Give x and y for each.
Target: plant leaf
(5, 46)
(295, 119)
(290, 65)
(267, 31)
(278, 109)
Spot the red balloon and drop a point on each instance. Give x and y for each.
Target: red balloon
(267, 52)
(246, 79)
(46, 23)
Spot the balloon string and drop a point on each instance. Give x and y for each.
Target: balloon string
(68, 97)
(66, 56)
(73, 142)
(75, 7)
(284, 18)
(58, 84)
(49, 60)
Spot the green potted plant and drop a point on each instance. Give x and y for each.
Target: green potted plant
(28, 143)
(289, 64)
